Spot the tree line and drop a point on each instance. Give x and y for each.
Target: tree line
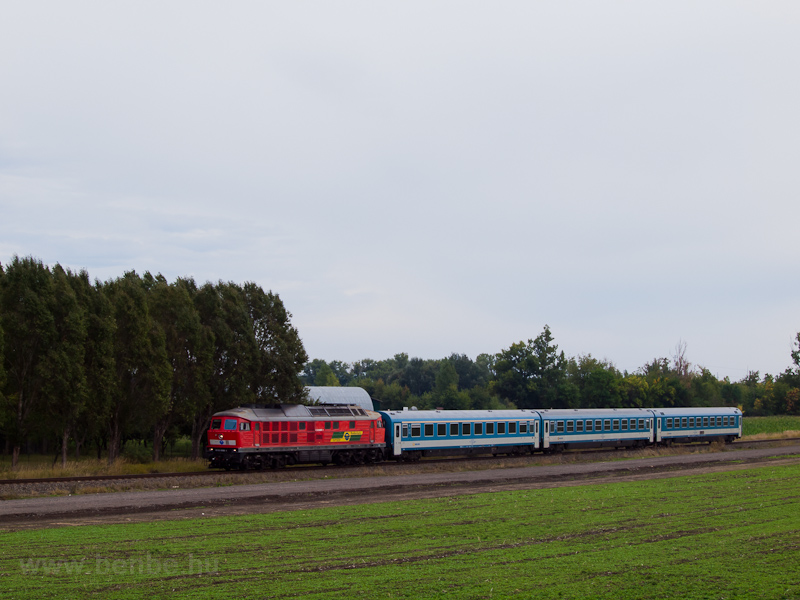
(535, 374)
(89, 363)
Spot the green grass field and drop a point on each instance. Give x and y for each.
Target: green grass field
(770, 425)
(729, 535)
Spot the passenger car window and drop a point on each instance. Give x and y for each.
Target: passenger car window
(453, 428)
(441, 429)
(428, 429)
(465, 429)
(478, 428)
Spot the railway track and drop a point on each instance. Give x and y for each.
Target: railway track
(307, 468)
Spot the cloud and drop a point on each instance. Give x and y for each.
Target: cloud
(424, 177)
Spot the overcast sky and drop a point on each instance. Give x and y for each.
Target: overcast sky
(425, 177)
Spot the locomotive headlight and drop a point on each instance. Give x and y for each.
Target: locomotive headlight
(220, 436)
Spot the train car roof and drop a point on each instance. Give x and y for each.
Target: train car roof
(693, 410)
(459, 415)
(594, 413)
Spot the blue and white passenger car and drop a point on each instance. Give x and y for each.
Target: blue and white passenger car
(596, 428)
(417, 433)
(683, 425)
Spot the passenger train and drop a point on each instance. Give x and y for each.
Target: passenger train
(258, 436)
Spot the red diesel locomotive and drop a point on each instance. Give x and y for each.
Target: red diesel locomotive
(258, 436)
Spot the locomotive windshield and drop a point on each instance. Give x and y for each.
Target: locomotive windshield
(215, 424)
(230, 424)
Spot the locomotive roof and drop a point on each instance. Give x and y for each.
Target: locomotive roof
(289, 412)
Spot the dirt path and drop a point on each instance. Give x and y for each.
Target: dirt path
(201, 503)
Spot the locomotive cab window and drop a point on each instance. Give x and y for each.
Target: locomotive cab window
(230, 424)
(244, 426)
(216, 423)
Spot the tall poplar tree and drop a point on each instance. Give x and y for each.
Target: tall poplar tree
(65, 386)
(26, 300)
(280, 354)
(142, 370)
